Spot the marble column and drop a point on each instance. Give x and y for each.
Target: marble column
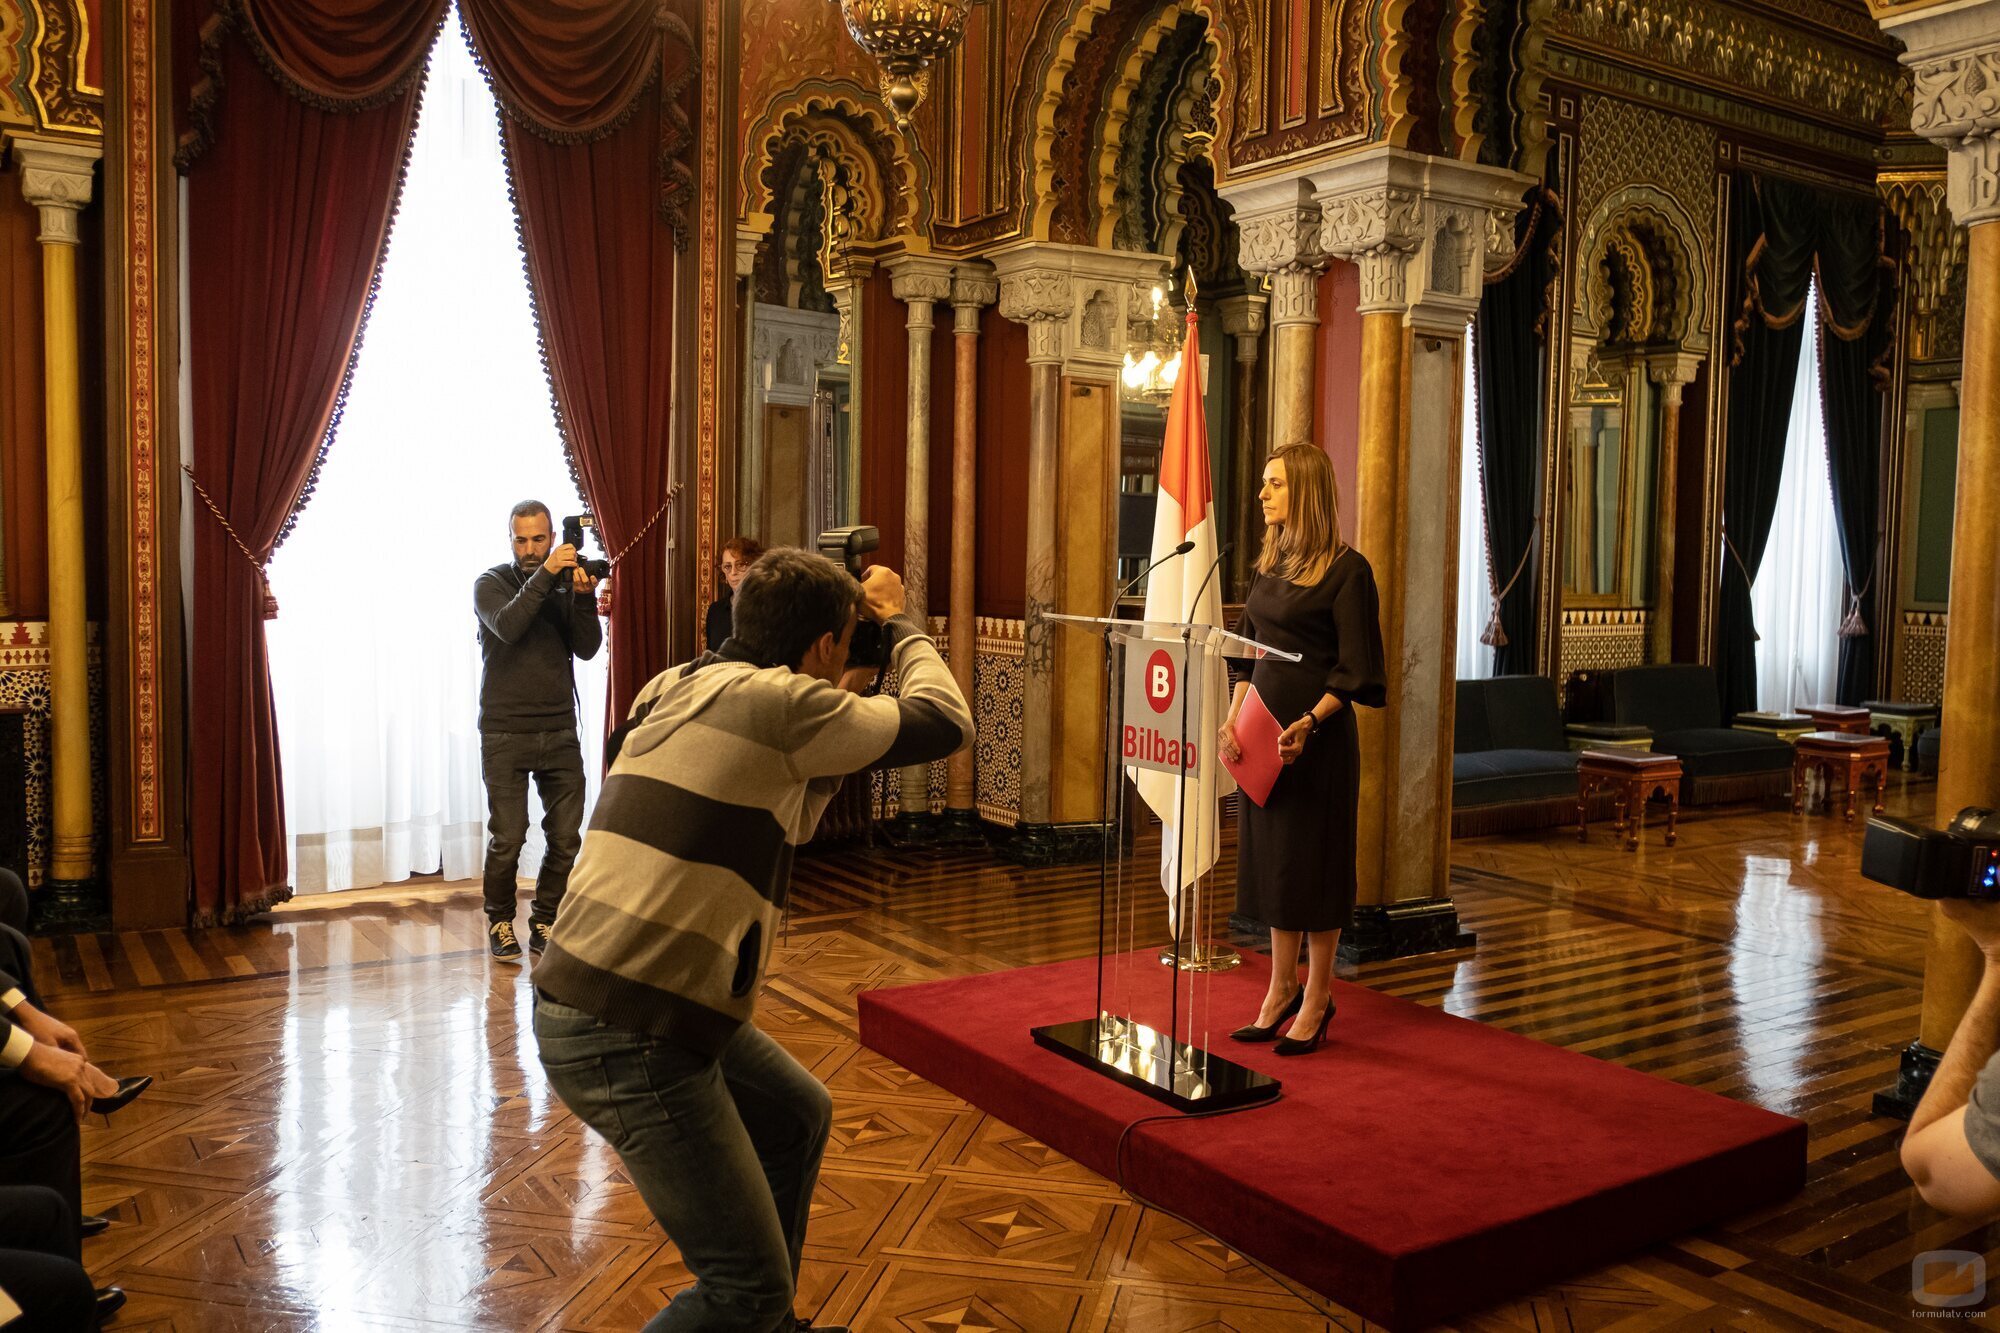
(920, 282)
(972, 289)
(1074, 301)
(1671, 374)
(56, 177)
(750, 453)
(1954, 55)
(849, 281)
(1041, 299)
(1422, 232)
(1279, 231)
(1243, 319)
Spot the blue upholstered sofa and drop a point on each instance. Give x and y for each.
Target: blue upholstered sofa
(1511, 767)
(1681, 706)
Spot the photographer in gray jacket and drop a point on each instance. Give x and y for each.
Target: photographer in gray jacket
(537, 615)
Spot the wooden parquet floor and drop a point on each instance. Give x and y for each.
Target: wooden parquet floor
(350, 1130)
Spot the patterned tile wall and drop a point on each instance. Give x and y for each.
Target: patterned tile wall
(24, 683)
(1923, 656)
(888, 787)
(997, 693)
(1602, 640)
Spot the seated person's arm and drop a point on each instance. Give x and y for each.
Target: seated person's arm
(1952, 1150)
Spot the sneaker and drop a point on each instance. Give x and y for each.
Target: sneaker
(538, 936)
(500, 935)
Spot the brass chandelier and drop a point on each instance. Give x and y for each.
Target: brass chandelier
(905, 36)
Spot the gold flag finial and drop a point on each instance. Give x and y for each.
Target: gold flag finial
(1187, 288)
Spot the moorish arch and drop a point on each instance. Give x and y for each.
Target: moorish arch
(890, 178)
(1083, 80)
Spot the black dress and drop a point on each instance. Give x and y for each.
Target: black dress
(1295, 862)
(716, 626)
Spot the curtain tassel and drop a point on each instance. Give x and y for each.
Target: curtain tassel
(1494, 636)
(263, 574)
(1854, 626)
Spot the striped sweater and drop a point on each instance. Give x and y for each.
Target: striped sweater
(681, 884)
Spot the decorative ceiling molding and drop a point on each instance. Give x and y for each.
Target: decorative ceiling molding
(1740, 52)
(1716, 108)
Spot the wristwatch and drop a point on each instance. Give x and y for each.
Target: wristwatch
(1311, 719)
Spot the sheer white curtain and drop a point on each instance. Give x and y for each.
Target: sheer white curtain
(1475, 588)
(374, 661)
(1796, 598)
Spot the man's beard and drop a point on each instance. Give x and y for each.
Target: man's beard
(531, 563)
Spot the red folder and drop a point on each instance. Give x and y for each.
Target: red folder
(1257, 735)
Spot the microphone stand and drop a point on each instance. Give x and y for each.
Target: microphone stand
(1104, 859)
(1178, 961)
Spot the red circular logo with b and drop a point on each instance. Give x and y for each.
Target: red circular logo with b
(1160, 680)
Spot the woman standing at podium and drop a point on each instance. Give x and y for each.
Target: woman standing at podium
(1315, 596)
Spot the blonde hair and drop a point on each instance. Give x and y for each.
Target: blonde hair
(1305, 545)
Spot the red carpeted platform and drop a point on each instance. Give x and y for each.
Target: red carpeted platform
(1416, 1167)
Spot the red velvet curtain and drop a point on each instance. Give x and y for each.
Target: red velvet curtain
(288, 210)
(596, 125)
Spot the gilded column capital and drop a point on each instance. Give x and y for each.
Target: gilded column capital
(1243, 318)
(973, 288)
(1278, 229)
(920, 280)
(1673, 371)
(1954, 59)
(1424, 230)
(56, 177)
(749, 236)
(1073, 299)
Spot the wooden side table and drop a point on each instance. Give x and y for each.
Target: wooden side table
(1904, 721)
(1852, 757)
(1634, 778)
(1836, 717)
(1787, 727)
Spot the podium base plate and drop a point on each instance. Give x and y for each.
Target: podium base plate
(1215, 958)
(1181, 1074)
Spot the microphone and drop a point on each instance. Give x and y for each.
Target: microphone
(1220, 556)
(1178, 551)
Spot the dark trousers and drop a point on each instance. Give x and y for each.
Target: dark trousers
(38, 1267)
(554, 759)
(725, 1152)
(39, 1144)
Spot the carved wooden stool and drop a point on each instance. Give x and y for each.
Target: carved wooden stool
(1835, 717)
(1633, 778)
(1853, 757)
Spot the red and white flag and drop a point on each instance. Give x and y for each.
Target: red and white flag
(1185, 512)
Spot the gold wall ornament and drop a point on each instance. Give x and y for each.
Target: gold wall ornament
(905, 36)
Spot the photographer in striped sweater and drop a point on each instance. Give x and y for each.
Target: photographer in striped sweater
(651, 975)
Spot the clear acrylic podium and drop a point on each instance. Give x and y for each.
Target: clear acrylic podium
(1166, 692)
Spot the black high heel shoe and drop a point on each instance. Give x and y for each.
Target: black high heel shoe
(1293, 1046)
(128, 1089)
(1251, 1032)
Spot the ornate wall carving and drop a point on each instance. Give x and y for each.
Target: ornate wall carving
(997, 678)
(1602, 640)
(1733, 48)
(1622, 143)
(1934, 263)
(24, 683)
(1923, 656)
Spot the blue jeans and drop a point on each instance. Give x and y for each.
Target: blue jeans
(554, 759)
(724, 1151)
